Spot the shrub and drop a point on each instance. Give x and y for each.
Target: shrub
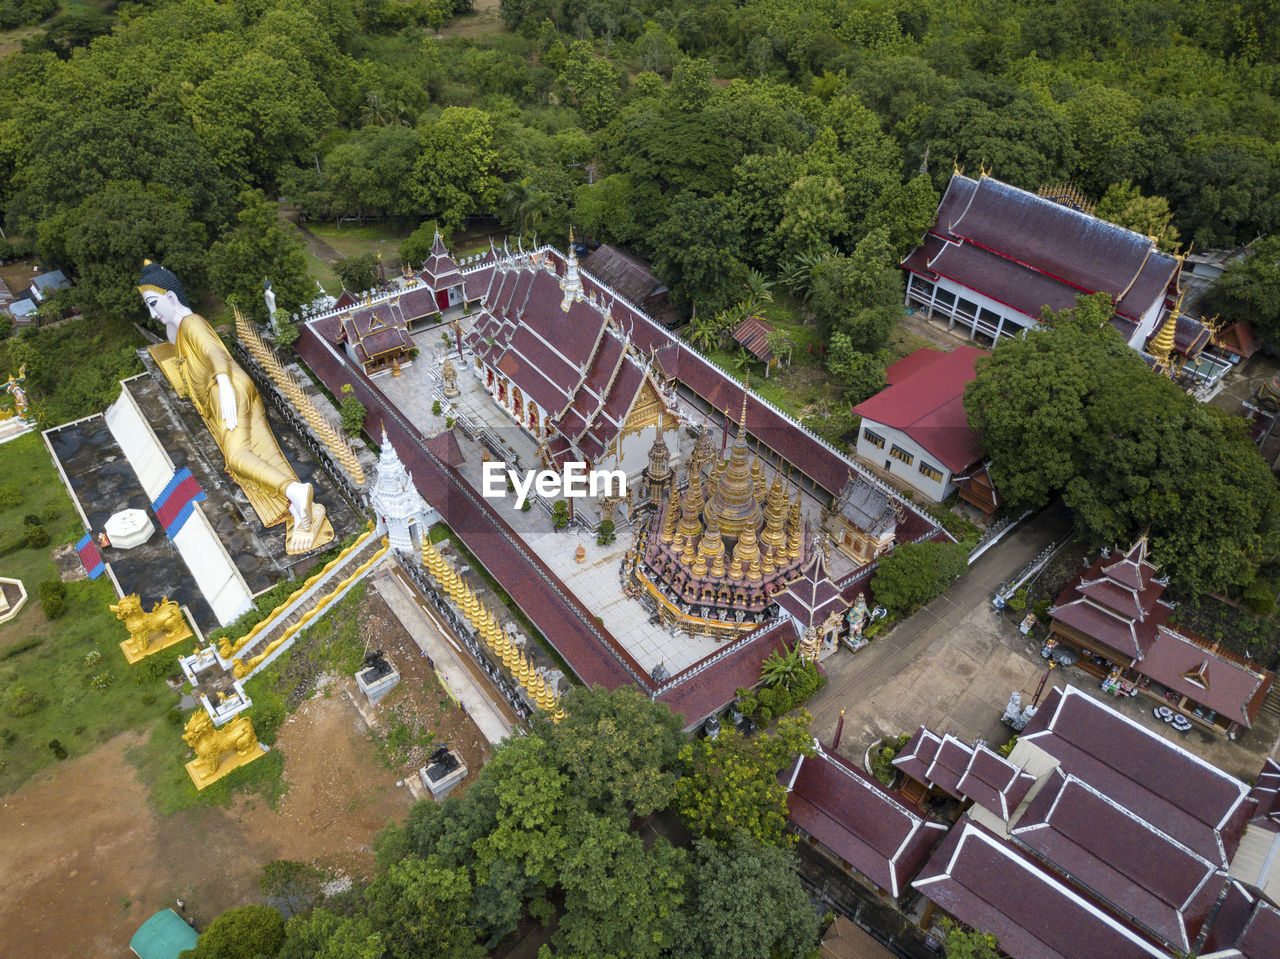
(606, 534)
(102, 681)
(35, 537)
(23, 701)
(59, 751)
(92, 658)
(559, 514)
(882, 766)
(526, 506)
(174, 716)
(1041, 610)
(352, 411)
(31, 519)
(915, 573)
(147, 699)
(10, 496)
(435, 407)
(1018, 601)
(53, 597)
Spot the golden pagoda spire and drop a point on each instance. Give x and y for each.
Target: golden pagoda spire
(690, 506)
(795, 531)
(767, 566)
(710, 550)
(746, 553)
(669, 520)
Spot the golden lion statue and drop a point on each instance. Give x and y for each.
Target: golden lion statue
(210, 743)
(165, 617)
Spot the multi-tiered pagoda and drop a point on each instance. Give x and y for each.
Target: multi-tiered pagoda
(713, 561)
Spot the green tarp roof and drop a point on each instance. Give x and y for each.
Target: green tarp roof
(164, 936)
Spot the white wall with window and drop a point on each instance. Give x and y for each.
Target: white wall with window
(892, 451)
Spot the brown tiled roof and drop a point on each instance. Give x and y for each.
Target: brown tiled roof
(949, 765)
(988, 884)
(1237, 338)
(1212, 679)
(440, 270)
(623, 273)
(1002, 279)
(1196, 804)
(917, 755)
(1115, 602)
(1155, 278)
(978, 488)
(811, 597)
(994, 783)
(1244, 922)
(1266, 796)
(859, 820)
(1126, 862)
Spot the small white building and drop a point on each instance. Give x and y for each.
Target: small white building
(915, 429)
(403, 515)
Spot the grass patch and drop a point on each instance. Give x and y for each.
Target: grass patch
(322, 272)
(902, 342)
(353, 239)
(48, 668)
(441, 532)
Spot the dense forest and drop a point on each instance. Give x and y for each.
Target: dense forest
(768, 145)
(717, 137)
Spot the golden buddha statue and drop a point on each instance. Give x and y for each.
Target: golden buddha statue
(232, 408)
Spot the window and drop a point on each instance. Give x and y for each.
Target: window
(931, 471)
(875, 439)
(899, 453)
(967, 308)
(945, 297)
(989, 316)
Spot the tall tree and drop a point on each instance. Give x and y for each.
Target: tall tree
(261, 245)
(455, 174)
(1124, 204)
(1249, 289)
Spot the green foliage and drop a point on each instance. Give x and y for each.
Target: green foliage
(53, 594)
(1018, 601)
(358, 273)
(606, 533)
(1249, 289)
(454, 174)
(1124, 204)
(560, 514)
(242, 933)
(23, 701)
(19, 13)
(882, 766)
(861, 374)
(915, 573)
(1071, 410)
(35, 536)
(964, 943)
(261, 244)
(417, 247)
(352, 411)
(730, 782)
(435, 407)
(288, 332)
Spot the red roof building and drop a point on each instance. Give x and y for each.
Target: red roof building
(915, 430)
(1247, 926)
(859, 821)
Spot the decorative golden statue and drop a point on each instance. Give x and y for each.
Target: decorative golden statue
(15, 389)
(232, 408)
(165, 624)
(211, 743)
(450, 377)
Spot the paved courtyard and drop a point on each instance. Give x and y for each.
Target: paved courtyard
(954, 663)
(597, 580)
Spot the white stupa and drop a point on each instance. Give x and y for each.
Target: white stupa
(402, 512)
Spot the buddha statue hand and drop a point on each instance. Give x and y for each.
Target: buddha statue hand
(227, 401)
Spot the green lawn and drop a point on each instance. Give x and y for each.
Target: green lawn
(47, 685)
(353, 239)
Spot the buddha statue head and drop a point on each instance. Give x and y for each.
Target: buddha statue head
(165, 297)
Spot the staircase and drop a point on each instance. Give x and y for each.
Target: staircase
(1271, 705)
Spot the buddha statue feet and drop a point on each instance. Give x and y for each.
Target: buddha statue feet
(316, 532)
(301, 497)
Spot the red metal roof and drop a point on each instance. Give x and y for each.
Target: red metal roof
(1245, 922)
(753, 334)
(927, 405)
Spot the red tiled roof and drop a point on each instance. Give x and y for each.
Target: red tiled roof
(917, 755)
(1155, 278)
(1237, 338)
(994, 783)
(1002, 279)
(1231, 688)
(1130, 864)
(705, 687)
(1245, 922)
(859, 820)
(811, 597)
(623, 273)
(1266, 795)
(927, 406)
(1198, 805)
(986, 883)
(949, 765)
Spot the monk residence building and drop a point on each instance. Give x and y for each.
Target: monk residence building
(997, 255)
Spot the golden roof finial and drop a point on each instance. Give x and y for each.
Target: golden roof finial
(746, 384)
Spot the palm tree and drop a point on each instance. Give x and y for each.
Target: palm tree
(779, 670)
(526, 204)
(374, 111)
(797, 275)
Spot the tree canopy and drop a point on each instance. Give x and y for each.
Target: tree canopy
(1069, 409)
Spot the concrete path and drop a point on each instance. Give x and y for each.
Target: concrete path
(466, 681)
(949, 666)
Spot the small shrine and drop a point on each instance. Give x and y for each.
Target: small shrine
(403, 515)
(862, 520)
(815, 606)
(440, 273)
(712, 563)
(377, 336)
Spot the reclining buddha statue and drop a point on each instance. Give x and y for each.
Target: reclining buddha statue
(232, 408)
